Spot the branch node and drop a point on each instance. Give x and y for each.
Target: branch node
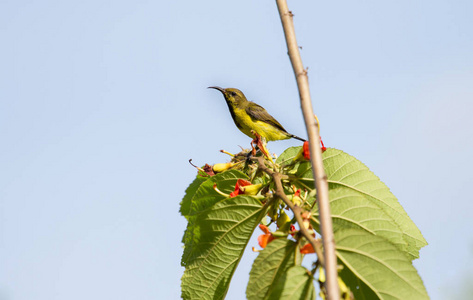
(302, 73)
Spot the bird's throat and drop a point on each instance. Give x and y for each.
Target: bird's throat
(232, 112)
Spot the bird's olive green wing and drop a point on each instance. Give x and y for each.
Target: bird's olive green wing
(258, 113)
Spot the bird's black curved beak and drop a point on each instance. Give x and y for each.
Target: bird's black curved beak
(217, 88)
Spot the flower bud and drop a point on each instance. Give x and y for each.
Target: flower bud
(219, 168)
(344, 291)
(321, 275)
(306, 223)
(244, 187)
(283, 222)
(296, 199)
(251, 189)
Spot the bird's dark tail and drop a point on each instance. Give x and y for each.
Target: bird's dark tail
(298, 138)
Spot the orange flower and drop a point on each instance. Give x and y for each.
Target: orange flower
(307, 249)
(265, 238)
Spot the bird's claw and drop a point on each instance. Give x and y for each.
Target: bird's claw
(260, 143)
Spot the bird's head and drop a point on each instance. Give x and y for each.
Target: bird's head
(232, 96)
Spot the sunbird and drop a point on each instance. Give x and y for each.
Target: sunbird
(250, 116)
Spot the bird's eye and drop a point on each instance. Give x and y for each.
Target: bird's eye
(233, 94)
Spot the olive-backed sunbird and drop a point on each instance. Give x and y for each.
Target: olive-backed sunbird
(250, 116)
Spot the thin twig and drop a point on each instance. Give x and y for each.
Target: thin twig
(295, 209)
(316, 154)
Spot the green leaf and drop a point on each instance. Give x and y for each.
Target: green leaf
(351, 209)
(201, 195)
(221, 234)
(271, 263)
(304, 177)
(302, 170)
(190, 193)
(288, 155)
(360, 290)
(350, 175)
(295, 284)
(359, 198)
(382, 268)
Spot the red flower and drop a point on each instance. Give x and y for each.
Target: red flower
(238, 190)
(305, 150)
(293, 230)
(323, 146)
(265, 238)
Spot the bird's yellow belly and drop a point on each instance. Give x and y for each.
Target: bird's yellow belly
(245, 123)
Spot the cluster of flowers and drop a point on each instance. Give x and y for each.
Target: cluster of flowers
(245, 187)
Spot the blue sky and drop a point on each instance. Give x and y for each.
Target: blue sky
(102, 103)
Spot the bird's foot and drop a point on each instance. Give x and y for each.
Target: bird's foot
(261, 144)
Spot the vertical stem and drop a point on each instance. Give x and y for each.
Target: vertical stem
(320, 178)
